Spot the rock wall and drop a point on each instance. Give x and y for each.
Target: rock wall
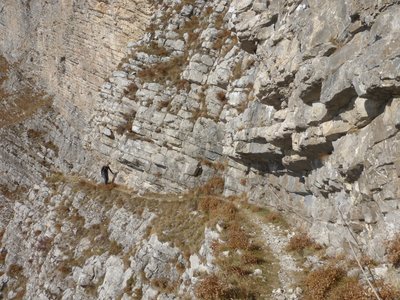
(69, 47)
(296, 101)
(72, 239)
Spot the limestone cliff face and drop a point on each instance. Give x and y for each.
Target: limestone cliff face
(69, 47)
(56, 55)
(294, 103)
(297, 100)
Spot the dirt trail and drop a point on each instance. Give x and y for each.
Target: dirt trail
(276, 238)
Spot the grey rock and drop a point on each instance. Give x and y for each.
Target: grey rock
(128, 229)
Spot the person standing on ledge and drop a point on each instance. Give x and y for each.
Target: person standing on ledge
(104, 172)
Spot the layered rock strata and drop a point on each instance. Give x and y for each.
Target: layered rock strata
(296, 100)
(69, 47)
(295, 103)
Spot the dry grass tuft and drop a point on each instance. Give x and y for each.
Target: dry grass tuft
(386, 291)
(239, 271)
(213, 187)
(44, 244)
(21, 105)
(252, 258)
(34, 134)
(3, 255)
(182, 84)
(153, 49)
(130, 90)
(393, 251)
(237, 253)
(114, 248)
(237, 237)
(216, 165)
(367, 261)
(164, 284)
(211, 287)
(268, 215)
(162, 104)
(319, 282)
(178, 7)
(331, 283)
(164, 71)
(219, 21)
(126, 127)
(217, 210)
(190, 26)
(300, 241)
(12, 193)
(221, 96)
(15, 270)
(222, 36)
(348, 289)
(201, 111)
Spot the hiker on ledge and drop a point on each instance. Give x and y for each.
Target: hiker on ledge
(104, 172)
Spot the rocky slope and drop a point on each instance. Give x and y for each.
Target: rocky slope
(297, 100)
(294, 103)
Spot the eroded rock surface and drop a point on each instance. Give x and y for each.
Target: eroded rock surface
(295, 103)
(297, 99)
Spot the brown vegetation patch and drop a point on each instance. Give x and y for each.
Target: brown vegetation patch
(367, 261)
(219, 20)
(164, 71)
(300, 241)
(386, 291)
(190, 26)
(393, 251)
(332, 283)
(3, 70)
(222, 36)
(126, 127)
(201, 111)
(237, 237)
(3, 255)
(253, 258)
(44, 244)
(15, 270)
(52, 146)
(211, 287)
(268, 215)
(164, 284)
(153, 49)
(12, 193)
(221, 96)
(130, 90)
(212, 187)
(321, 281)
(34, 134)
(178, 7)
(162, 104)
(348, 289)
(21, 106)
(237, 254)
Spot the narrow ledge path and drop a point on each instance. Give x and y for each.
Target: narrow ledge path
(277, 238)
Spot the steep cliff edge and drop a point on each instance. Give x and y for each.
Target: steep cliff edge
(294, 104)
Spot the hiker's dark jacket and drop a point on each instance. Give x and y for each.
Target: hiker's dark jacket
(104, 173)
